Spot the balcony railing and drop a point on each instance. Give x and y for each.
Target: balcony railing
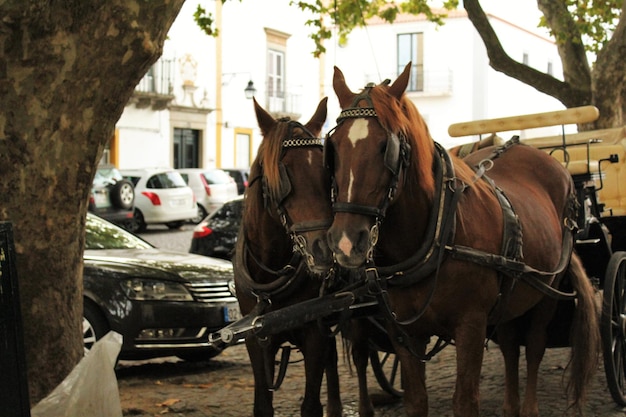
(156, 87)
(428, 83)
(284, 104)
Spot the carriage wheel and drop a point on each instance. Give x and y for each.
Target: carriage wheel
(613, 326)
(386, 367)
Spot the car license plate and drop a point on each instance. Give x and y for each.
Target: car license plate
(178, 202)
(101, 199)
(231, 313)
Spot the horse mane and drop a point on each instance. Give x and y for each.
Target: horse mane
(401, 116)
(406, 118)
(268, 155)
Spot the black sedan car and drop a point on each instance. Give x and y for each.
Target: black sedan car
(216, 235)
(163, 303)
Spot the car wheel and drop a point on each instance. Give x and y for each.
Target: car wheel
(174, 225)
(123, 194)
(137, 224)
(95, 325)
(200, 216)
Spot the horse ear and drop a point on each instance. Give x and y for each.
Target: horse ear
(341, 89)
(399, 85)
(317, 121)
(266, 121)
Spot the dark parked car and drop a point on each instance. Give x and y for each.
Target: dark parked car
(240, 175)
(162, 302)
(216, 235)
(112, 196)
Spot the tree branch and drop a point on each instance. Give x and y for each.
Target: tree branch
(569, 42)
(502, 62)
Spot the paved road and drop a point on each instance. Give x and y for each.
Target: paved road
(223, 386)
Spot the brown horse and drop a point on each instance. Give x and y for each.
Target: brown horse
(453, 247)
(283, 234)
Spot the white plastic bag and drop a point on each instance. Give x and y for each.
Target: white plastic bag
(91, 388)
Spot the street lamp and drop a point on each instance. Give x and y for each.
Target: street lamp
(250, 90)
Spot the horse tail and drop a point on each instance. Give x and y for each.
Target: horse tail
(585, 334)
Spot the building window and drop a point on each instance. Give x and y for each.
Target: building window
(276, 74)
(411, 49)
(186, 148)
(276, 64)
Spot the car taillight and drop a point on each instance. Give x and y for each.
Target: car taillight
(207, 188)
(201, 231)
(154, 198)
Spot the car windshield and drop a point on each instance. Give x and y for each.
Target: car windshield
(230, 212)
(106, 175)
(170, 179)
(217, 177)
(100, 234)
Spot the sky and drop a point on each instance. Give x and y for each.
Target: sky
(522, 13)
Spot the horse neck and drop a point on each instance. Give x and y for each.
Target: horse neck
(402, 231)
(266, 240)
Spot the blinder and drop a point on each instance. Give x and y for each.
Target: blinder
(396, 153)
(392, 154)
(284, 186)
(329, 154)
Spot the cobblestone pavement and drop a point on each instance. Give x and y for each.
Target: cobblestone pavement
(224, 385)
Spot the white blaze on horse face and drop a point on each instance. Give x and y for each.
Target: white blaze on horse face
(349, 199)
(345, 245)
(309, 157)
(359, 130)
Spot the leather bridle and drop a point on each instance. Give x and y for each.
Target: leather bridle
(396, 158)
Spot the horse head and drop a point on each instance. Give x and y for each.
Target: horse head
(295, 185)
(368, 154)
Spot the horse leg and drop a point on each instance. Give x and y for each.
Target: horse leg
(469, 340)
(334, 407)
(263, 397)
(413, 374)
(509, 346)
(360, 356)
(536, 341)
(315, 350)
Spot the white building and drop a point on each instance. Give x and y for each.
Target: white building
(191, 111)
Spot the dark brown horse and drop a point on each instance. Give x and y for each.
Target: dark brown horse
(281, 255)
(452, 247)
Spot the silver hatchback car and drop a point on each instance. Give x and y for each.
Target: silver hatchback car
(212, 188)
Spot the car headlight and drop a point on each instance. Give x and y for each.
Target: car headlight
(145, 289)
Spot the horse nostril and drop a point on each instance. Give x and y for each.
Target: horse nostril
(362, 242)
(321, 250)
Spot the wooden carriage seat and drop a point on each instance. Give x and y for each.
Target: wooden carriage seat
(463, 150)
(609, 141)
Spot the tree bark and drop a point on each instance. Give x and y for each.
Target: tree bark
(67, 69)
(609, 77)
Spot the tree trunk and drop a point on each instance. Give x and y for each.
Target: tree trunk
(67, 69)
